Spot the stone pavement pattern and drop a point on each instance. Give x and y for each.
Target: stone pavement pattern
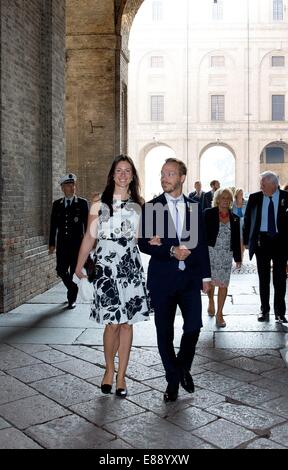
(51, 367)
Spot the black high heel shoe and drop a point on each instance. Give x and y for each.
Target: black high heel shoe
(106, 388)
(121, 392)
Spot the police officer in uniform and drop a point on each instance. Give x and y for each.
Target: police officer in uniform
(68, 224)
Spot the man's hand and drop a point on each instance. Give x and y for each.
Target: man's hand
(181, 252)
(156, 241)
(206, 285)
(51, 250)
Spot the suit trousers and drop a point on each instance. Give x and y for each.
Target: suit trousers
(165, 302)
(270, 249)
(66, 263)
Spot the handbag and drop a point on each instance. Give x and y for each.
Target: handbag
(90, 267)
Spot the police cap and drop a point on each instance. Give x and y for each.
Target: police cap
(69, 178)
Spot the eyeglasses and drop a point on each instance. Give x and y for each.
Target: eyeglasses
(169, 174)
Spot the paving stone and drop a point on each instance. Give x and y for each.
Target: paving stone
(273, 385)
(246, 300)
(35, 372)
(4, 424)
(251, 365)
(32, 348)
(204, 398)
(278, 406)
(216, 354)
(11, 359)
(103, 410)
(33, 410)
(279, 434)
(148, 358)
(141, 372)
(67, 390)
(246, 416)
(12, 438)
(147, 431)
(11, 389)
(215, 366)
(252, 352)
(39, 335)
(264, 444)
(239, 374)
(216, 382)
(200, 360)
(280, 375)
(80, 368)
(249, 339)
(191, 418)
(224, 434)
(275, 361)
(51, 356)
(153, 401)
(70, 432)
(83, 352)
(116, 444)
(133, 386)
(251, 394)
(249, 324)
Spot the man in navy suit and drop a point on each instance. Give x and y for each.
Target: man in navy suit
(214, 184)
(198, 195)
(265, 234)
(68, 224)
(172, 233)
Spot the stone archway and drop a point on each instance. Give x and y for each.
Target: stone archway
(274, 157)
(217, 161)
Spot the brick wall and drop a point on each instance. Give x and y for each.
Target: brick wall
(32, 142)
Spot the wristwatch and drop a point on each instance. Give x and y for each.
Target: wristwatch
(172, 251)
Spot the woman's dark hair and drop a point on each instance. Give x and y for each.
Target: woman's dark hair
(134, 186)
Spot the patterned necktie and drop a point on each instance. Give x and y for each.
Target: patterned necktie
(271, 218)
(181, 264)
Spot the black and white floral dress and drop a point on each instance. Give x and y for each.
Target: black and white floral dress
(120, 294)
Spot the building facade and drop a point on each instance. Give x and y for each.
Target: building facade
(211, 73)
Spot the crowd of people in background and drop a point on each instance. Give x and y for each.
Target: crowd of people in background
(115, 229)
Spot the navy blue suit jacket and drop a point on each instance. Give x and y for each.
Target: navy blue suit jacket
(252, 221)
(162, 267)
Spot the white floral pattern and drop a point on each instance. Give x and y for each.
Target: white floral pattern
(221, 257)
(120, 294)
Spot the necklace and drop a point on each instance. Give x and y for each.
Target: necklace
(223, 215)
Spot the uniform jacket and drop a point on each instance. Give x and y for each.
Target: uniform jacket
(252, 221)
(211, 218)
(68, 225)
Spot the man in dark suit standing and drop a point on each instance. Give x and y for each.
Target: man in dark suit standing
(265, 234)
(198, 195)
(68, 224)
(214, 185)
(172, 233)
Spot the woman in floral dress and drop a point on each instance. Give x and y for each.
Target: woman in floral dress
(120, 296)
(223, 238)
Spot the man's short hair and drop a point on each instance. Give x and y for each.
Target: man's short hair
(181, 165)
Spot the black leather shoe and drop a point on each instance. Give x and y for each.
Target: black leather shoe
(263, 317)
(106, 388)
(171, 393)
(187, 381)
(71, 305)
(281, 319)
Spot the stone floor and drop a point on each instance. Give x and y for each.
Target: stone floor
(51, 366)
